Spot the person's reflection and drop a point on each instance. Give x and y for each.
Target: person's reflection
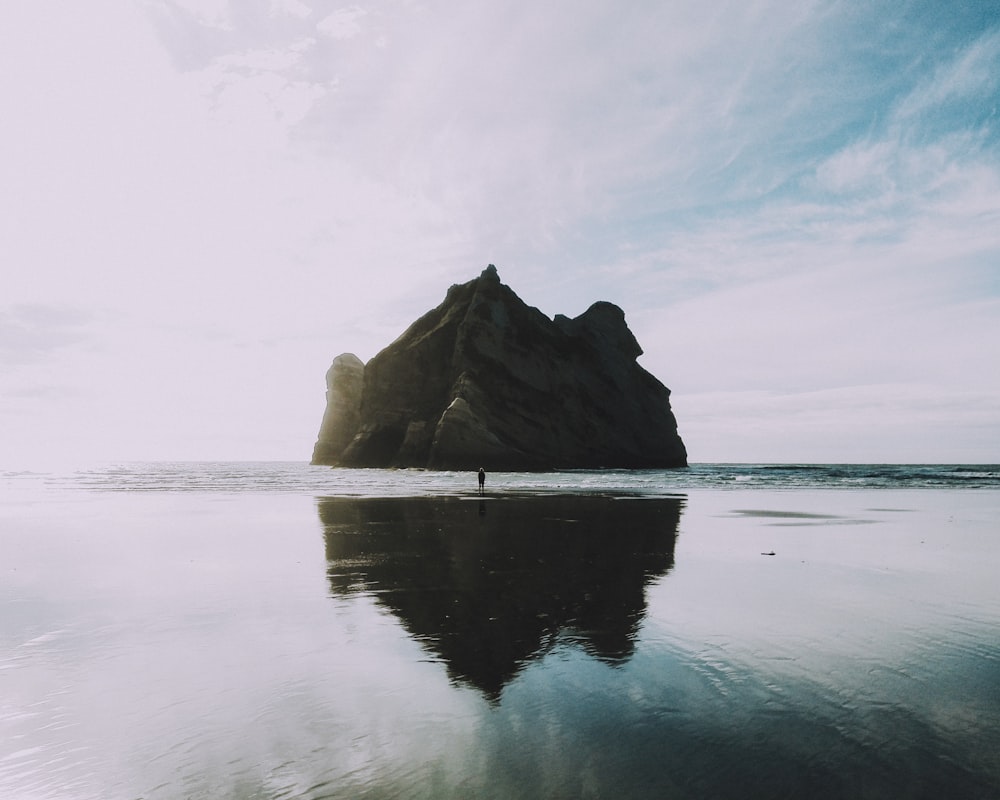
(487, 595)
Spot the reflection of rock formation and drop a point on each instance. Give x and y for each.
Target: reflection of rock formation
(489, 585)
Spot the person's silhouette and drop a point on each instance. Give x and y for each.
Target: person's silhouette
(482, 480)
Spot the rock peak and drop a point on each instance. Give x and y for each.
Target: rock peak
(486, 380)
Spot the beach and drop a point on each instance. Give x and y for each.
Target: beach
(292, 632)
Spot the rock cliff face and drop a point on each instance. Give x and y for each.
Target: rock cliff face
(485, 380)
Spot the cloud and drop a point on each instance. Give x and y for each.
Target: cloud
(861, 166)
(563, 115)
(961, 81)
(522, 127)
(291, 7)
(213, 13)
(30, 333)
(344, 23)
(258, 87)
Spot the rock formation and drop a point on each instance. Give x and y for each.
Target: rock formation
(485, 380)
(342, 417)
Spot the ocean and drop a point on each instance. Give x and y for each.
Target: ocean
(269, 631)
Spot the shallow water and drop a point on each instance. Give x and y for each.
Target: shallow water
(292, 633)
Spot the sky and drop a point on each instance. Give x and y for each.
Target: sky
(796, 204)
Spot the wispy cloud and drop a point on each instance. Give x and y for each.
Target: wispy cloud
(344, 23)
(30, 333)
(957, 84)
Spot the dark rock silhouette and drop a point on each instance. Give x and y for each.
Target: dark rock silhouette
(488, 586)
(342, 417)
(484, 379)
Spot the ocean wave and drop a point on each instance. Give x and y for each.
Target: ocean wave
(297, 477)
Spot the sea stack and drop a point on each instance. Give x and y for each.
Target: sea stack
(486, 380)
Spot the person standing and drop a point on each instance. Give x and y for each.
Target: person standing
(482, 480)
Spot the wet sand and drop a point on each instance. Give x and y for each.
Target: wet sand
(720, 644)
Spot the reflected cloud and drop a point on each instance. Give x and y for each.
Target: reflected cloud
(490, 584)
